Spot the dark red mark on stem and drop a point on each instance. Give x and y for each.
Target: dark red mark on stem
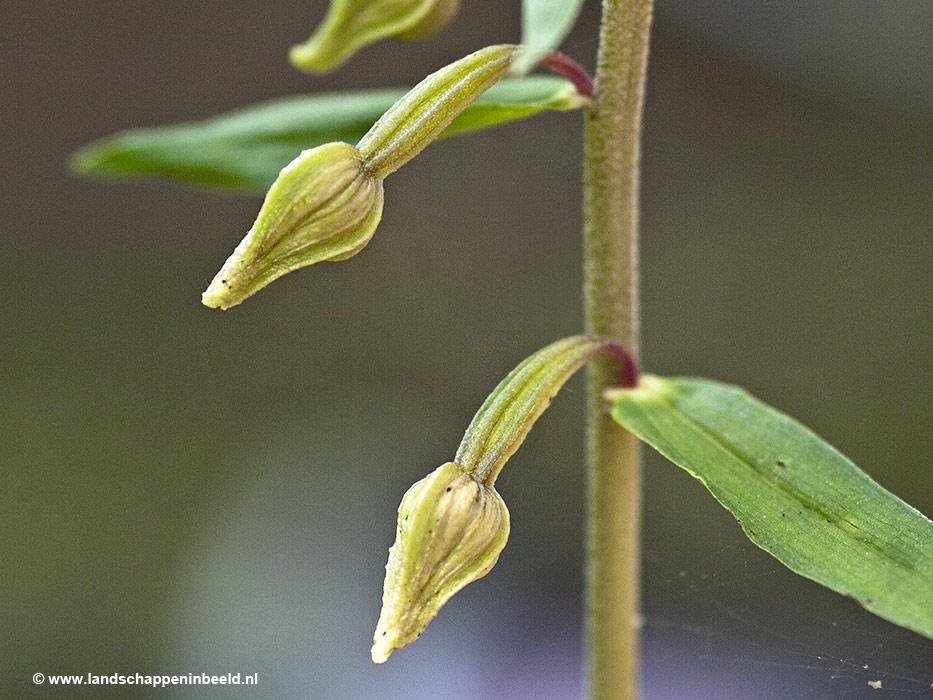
(628, 370)
(570, 69)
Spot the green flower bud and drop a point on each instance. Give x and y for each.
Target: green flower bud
(323, 206)
(352, 24)
(450, 531)
(452, 524)
(326, 204)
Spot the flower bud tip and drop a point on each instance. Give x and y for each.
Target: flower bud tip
(381, 651)
(218, 293)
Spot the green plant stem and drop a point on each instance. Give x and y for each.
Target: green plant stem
(610, 232)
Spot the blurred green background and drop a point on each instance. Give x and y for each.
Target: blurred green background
(186, 490)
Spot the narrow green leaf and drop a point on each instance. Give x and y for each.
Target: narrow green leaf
(794, 495)
(246, 149)
(545, 24)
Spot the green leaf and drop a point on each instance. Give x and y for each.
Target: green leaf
(246, 149)
(794, 495)
(545, 24)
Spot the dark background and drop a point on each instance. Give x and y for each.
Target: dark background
(185, 490)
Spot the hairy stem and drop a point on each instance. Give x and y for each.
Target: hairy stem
(611, 159)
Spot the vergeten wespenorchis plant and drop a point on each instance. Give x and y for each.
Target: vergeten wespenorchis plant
(794, 495)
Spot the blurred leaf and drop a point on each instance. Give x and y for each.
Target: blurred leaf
(246, 149)
(794, 495)
(545, 24)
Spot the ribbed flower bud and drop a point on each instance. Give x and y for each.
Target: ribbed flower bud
(451, 528)
(452, 524)
(323, 206)
(352, 24)
(326, 204)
